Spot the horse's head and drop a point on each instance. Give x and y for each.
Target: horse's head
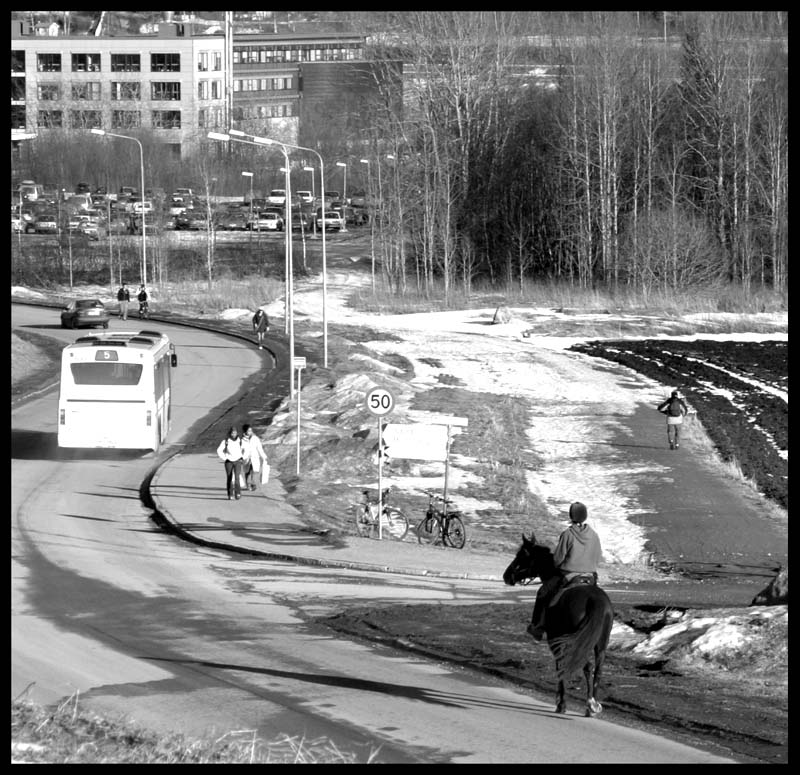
(528, 563)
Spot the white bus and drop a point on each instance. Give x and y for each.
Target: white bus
(116, 391)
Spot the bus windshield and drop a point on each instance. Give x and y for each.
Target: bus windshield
(106, 373)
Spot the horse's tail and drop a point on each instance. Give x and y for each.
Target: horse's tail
(573, 651)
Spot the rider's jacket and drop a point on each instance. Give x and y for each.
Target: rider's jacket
(578, 550)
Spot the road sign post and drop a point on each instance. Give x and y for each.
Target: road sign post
(380, 402)
(298, 364)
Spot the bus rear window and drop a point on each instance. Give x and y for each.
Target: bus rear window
(106, 373)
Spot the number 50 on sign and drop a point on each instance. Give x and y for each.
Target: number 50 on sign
(380, 401)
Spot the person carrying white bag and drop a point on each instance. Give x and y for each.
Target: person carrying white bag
(256, 468)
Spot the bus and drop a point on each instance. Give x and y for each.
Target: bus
(116, 391)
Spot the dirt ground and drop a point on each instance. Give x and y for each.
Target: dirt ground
(713, 709)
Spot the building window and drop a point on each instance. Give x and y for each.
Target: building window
(126, 63)
(86, 63)
(18, 117)
(49, 91)
(202, 90)
(48, 63)
(217, 60)
(202, 61)
(165, 63)
(125, 119)
(86, 119)
(166, 119)
(86, 91)
(280, 84)
(216, 90)
(209, 118)
(50, 119)
(18, 89)
(125, 90)
(165, 90)
(17, 61)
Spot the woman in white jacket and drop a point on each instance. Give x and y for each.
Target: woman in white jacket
(255, 457)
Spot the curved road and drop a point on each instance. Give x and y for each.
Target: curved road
(181, 638)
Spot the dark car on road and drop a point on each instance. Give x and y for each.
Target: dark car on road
(84, 312)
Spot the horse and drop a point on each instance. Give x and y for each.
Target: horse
(577, 622)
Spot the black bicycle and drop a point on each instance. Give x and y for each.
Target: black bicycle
(441, 524)
(144, 310)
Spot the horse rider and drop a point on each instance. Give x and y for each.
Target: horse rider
(577, 553)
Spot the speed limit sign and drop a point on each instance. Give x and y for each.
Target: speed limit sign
(380, 401)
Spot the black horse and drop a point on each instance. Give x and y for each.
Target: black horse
(578, 622)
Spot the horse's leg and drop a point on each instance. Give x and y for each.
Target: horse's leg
(593, 707)
(561, 702)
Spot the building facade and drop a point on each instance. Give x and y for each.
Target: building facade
(173, 82)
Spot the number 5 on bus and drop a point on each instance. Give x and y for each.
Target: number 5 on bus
(116, 391)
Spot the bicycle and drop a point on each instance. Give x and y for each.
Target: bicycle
(441, 526)
(144, 310)
(394, 522)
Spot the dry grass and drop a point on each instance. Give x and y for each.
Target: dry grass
(65, 734)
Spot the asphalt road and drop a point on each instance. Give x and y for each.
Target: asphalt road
(188, 639)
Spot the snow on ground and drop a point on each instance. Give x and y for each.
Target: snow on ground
(564, 390)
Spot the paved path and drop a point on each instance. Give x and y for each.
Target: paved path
(189, 495)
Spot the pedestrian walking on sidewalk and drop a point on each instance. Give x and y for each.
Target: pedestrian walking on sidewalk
(124, 298)
(675, 409)
(255, 458)
(260, 326)
(231, 452)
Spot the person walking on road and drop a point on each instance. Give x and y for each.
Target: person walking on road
(675, 409)
(254, 459)
(260, 326)
(144, 309)
(577, 553)
(231, 452)
(123, 297)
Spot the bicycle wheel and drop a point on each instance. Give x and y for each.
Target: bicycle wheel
(364, 523)
(395, 523)
(428, 530)
(454, 533)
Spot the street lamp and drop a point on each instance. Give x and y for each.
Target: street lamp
(237, 136)
(269, 141)
(103, 132)
(313, 197)
(344, 195)
(372, 215)
(250, 175)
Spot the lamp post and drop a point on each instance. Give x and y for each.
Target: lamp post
(344, 195)
(103, 132)
(372, 221)
(313, 197)
(236, 136)
(268, 141)
(250, 175)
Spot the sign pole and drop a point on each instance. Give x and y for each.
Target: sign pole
(379, 402)
(446, 468)
(380, 479)
(298, 363)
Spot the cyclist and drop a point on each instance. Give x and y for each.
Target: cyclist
(144, 309)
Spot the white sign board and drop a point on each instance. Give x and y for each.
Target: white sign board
(416, 442)
(299, 363)
(380, 401)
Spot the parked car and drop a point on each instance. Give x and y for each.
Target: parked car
(46, 223)
(302, 220)
(139, 206)
(331, 221)
(358, 199)
(183, 194)
(191, 219)
(277, 196)
(232, 220)
(306, 197)
(126, 192)
(84, 312)
(89, 229)
(266, 221)
(83, 188)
